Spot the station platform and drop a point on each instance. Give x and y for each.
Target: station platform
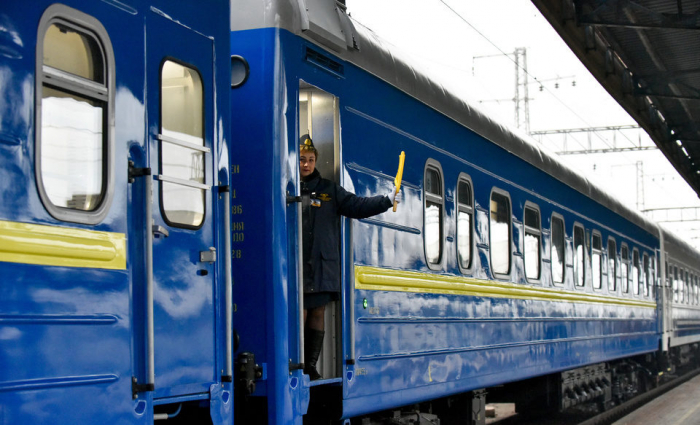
(680, 406)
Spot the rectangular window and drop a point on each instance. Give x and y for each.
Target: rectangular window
(675, 283)
(533, 236)
(612, 265)
(647, 275)
(596, 263)
(182, 147)
(558, 246)
(624, 268)
(579, 256)
(433, 211)
(636, 272)
(500, 232)
(465, 214)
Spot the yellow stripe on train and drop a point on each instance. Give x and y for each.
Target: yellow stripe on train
(380, 279)
(61, 246)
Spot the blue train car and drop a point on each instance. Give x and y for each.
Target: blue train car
(500, 266)
(114, 138)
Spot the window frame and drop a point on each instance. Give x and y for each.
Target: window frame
(468, 209)
(434, 164)
(578, 225)
(538, 232)
(599, 252)
(557, 216)
(505, 194)
(104, 93)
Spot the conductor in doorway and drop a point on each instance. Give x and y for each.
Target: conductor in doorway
(323, 202)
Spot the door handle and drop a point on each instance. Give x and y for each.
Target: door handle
(159, 231)
(208, 256)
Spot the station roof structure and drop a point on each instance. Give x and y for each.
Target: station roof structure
(646, 54)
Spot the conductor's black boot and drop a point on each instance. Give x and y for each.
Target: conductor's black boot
(313, 342)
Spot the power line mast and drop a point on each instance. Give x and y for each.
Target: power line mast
(521, 98)
(640, 186)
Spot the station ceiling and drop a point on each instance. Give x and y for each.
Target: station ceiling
(646, 53)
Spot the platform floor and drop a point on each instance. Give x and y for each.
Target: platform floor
(680, 406)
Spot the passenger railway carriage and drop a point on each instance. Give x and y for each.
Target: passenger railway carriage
(150, 230)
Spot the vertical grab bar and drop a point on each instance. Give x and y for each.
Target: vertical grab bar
(300, 282)
(150, 350)
(228, 297)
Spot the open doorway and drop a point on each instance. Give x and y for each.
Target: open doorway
(319, 119)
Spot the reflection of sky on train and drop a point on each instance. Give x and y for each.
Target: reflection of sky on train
(466, 53)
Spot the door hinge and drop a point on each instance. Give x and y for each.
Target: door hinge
(137, 172)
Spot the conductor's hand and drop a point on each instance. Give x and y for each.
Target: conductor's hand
(393, 196)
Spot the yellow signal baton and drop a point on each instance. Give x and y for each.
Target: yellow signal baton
(399, 176)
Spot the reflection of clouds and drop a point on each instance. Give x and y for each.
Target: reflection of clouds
(7, 333)
(500, 247)
(186, 297)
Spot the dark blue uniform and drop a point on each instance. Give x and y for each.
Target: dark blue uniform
(323, 202)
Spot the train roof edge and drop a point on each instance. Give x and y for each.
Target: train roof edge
(375, 56)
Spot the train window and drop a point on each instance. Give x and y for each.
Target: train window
(624, 268)
(636, 271)
(432, 213)
(465, 220)
(596, 263)
(681, 287)
(500, 232)
(687, 287)
(533, 238)
(75, 103)
(647, 275)
(579, 256)
(612, 265)
(675, 283)
(182, 145)
(654, 277)
(557, 256)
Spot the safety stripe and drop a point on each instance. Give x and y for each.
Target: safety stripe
(380, 279)
(61, 246)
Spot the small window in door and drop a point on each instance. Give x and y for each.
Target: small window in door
(182, 150)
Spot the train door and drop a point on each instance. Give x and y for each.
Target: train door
(319, 118)
(180, 98)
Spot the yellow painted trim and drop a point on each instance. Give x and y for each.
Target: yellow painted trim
(61, 246)
(380, 279)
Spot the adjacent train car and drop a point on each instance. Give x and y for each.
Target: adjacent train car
(502, 268)
(113, 140)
